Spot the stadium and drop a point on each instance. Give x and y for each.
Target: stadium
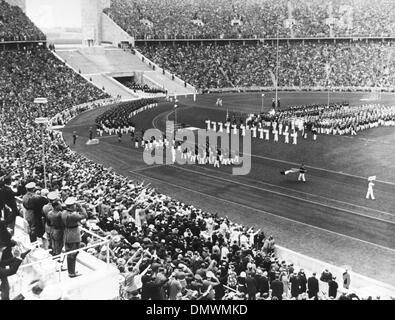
(91, 90)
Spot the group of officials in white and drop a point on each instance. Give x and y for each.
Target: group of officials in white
(261, 130)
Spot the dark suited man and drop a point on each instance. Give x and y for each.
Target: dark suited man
(302, 281)
(9, 264)
(251, 286)
(29, 201)
(295, 285)
(333, 286)
(262, 282)
(313, 287)
(7, 198)
(277, 288)
(71, 218)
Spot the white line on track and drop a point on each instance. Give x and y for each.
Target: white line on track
(268, 213)
(319, 169)
(147, 167)
(307, 193)
(284, 194)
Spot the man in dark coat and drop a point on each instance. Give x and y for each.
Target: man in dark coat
(302, 281)
(251, 286)
(313, 287)
(277, 289)
(262, 282)
(7, 198)
(332, 292)
(295, 285)
(9, 264)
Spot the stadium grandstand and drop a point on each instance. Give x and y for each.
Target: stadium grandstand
(83, 215)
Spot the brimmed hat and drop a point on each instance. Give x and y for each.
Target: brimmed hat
(30, 186)
(136, 245)
(53, 196)
(70, 201)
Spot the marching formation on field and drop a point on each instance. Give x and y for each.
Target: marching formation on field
(333, 119)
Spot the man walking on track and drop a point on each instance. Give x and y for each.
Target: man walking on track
(370, 194)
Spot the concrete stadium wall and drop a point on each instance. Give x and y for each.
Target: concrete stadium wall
(112, 33)
(361, 285)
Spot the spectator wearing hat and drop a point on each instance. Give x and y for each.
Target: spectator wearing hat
(55, 223)
(313, 287)
(71, 218)
(29, 201)
(53, 204)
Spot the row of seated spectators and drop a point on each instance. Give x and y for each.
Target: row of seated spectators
(139, 87)
(16, 26)
(165, 249)
(214, 19)
(356, 64)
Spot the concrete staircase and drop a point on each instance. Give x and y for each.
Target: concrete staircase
(100, 64)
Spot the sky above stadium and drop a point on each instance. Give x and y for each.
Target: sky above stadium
(54, 13)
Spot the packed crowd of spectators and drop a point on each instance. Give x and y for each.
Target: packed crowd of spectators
(309, 64)
(16, 26)
(214, 19)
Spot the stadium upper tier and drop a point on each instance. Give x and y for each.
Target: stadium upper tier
(309, 64)
(214, 19)
(16, 26)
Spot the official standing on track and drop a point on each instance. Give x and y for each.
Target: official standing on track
(302, 172)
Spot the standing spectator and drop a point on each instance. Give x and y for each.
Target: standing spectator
(71, 218)
(303, 281)
(295, 285)
(313, 287)
(251, 286)
(333, 286)
(7, 198)
(29, 202)
(277, 289)
(262, 282)
(346, 279)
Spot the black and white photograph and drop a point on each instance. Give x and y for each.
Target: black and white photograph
(197, 156)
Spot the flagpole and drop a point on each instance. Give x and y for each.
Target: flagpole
(276, 104)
